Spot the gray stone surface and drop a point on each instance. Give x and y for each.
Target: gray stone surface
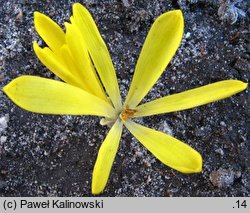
(44, 155)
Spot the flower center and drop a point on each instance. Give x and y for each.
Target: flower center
(127, 113)
(124, 115)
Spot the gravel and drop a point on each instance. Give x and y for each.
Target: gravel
(45, 155)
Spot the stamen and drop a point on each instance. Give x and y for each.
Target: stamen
(127, 113)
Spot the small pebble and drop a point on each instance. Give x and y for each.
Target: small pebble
(219, 151)
(3, 185)
(188, 34)
(125, 3)
(222, 123)
(223, 177)
(19, 16)
(4, 122)
(3, 139)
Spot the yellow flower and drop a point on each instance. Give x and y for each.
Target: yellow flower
(81, 59)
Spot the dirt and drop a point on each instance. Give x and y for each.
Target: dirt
(45, 155)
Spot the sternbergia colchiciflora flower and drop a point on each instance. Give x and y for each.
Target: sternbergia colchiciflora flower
(89, 86)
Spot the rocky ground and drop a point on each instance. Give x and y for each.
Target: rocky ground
(44, 155)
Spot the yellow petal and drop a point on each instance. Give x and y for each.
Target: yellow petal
(160, 46)
(82, 62)
(105, 158)
(56, 64)
(49, 31)
(191, 98)
(71, 66)
(98, 52)
(48, 96)
(167, 149)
